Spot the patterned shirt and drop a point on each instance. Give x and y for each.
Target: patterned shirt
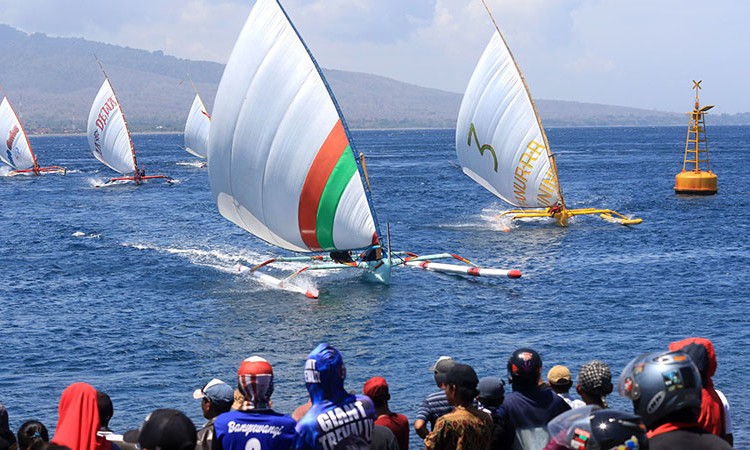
(463, 429)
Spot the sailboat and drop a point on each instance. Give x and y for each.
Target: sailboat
(17, 152)
(109, 138)
(501, 143)
(197, 127)
(283, 166)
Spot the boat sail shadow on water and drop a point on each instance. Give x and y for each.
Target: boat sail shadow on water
(17, 152)
(282, 164)
(110, 141)
(501, 143)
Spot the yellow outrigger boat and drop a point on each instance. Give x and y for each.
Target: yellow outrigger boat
(501, 143)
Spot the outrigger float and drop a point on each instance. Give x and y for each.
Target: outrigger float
(694, 180)
(283, 166)
(501, 143)
(109, 138)
(325, 262)
(17, 152)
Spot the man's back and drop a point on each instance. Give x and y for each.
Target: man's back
(399, 425)
(466, 428)
(527, 412)
(434, 406)
(269, 429)
(329, 426)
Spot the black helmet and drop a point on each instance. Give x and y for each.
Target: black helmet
(524, 367)
(660, 384)
(591, 428)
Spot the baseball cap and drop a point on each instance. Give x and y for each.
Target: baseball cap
(559, 375)
(164, 429)
(216, 391)
(491, 388)
(376, 388)
(441, 367)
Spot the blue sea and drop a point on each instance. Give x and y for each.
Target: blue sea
(134, 289)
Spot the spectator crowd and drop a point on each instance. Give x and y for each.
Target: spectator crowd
(674, 406)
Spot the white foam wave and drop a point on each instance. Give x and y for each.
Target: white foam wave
(81, 234)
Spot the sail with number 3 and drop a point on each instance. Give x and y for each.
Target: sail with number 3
(501, 143)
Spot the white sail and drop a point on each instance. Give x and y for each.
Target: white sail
(16, 149)
(281, 162)
(196, 129)
(109, 138)
(500, 141)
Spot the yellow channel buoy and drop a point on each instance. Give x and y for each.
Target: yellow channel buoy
(694, 180)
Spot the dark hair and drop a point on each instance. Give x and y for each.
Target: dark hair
(466, 394)
(106, 410)
(32, 435)
(220, 407)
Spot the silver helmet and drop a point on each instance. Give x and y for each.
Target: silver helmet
(661, 383)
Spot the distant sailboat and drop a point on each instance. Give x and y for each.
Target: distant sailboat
(282, 164)
(501, 143)
(197, 127)
(109, 138)
(17, 152)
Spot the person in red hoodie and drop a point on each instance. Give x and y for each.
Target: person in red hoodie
(78, 420)
(712, 416)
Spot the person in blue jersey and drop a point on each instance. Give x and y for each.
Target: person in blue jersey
(254, 425)
(526, 411)
(336, 419)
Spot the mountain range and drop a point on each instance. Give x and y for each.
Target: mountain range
(52, 81)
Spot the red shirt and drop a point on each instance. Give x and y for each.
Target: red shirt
(399, 424)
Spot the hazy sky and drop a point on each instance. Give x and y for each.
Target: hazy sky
(640, 53)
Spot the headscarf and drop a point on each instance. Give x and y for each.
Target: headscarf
(255, 382)
(78, 419)
(595, 379)
(702, 353)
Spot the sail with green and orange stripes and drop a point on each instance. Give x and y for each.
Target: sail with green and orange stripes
(281, 163)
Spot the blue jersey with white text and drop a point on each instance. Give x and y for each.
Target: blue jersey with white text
(328, 426)
(255, 430)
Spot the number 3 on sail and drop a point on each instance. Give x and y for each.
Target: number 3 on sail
(498, 110)
(482, 148)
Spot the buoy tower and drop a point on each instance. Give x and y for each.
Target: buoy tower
(694, 180)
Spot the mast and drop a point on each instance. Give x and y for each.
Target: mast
(127, 129)
(550, 155)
